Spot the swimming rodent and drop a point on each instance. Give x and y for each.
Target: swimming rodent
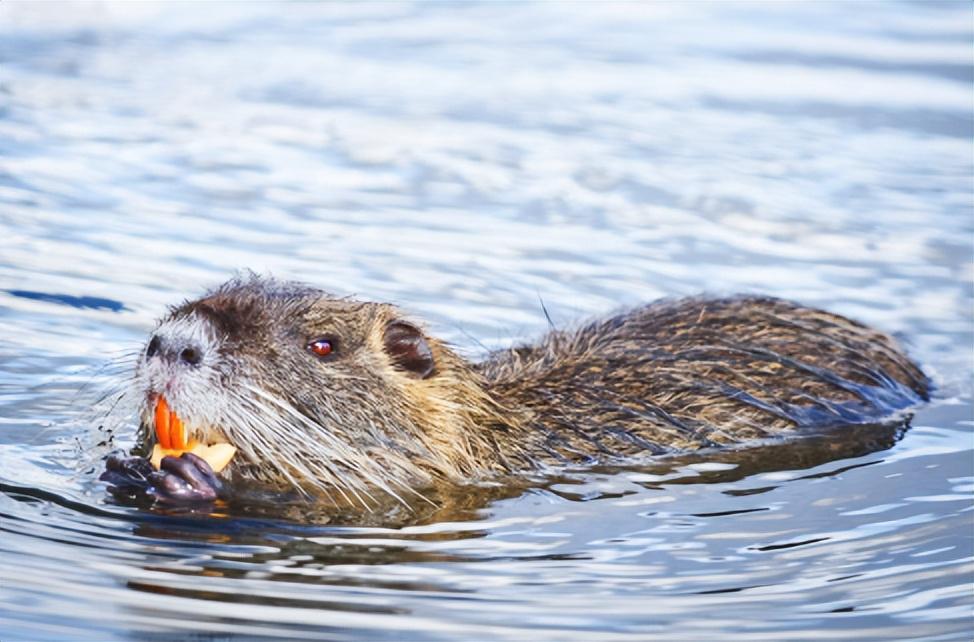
(350, 397)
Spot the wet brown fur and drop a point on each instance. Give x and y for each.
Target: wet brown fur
(671, 376)
(697, 372)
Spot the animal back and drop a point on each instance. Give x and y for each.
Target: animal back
(701, 372)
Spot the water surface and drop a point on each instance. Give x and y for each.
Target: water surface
(469, 162)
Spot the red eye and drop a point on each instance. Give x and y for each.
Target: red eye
(321, 347)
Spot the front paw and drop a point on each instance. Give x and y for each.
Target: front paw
(185, 479)
(127, 476)
(181, 480)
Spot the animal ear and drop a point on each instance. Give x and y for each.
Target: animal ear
(408, 348)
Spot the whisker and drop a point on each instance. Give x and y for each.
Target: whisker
(354, 460)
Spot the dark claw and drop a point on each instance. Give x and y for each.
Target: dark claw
(182, 480)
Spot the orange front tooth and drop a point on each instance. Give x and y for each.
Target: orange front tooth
(162, 422)
(177, 436)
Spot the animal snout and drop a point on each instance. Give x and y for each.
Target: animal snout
(174, 350)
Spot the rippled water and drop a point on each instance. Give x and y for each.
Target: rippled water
(468, 161)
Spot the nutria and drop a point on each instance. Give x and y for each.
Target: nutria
(349, 397)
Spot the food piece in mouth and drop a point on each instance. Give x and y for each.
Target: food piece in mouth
(173, 440)
(216, 455)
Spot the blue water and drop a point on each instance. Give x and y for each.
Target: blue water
(469, 161)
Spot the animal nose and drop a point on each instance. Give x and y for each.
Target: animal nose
(174, 351)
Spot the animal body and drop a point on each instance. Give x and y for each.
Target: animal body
(350, 397)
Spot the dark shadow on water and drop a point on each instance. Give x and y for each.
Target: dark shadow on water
(792, 454)
(81, 302)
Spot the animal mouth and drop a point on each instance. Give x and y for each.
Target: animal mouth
(173, 440)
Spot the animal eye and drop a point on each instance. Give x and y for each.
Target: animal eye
(322, 347)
